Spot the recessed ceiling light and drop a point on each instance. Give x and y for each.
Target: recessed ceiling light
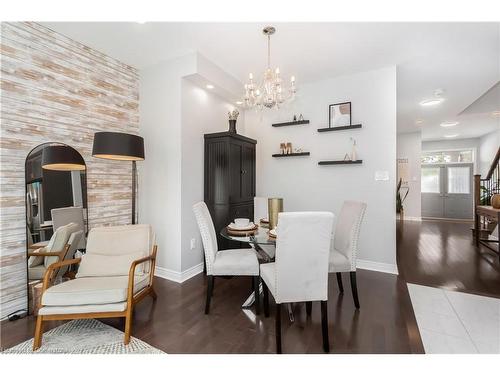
(141, 22)
(431, 102)
(449, 124)
(239, 102)
(419, 121)
(451, 135)
(209, 86)
(495, 113)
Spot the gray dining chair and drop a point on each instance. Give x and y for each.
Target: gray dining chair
(65, 215)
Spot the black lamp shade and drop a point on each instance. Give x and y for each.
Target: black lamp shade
(118, 146)
(62, 158)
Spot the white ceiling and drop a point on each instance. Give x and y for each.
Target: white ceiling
(463, 59)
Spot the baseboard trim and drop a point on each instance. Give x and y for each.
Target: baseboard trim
(178, 277)
(377, 266)
(412, 218)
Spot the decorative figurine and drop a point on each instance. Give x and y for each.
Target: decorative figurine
(301, 118)
(289, 148)
(294, 117)
(282, 148)
(354, 155)
(233, 116)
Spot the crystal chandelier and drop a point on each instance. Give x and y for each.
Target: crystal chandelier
(270, 93)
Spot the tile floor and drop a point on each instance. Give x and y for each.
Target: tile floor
(455, 322)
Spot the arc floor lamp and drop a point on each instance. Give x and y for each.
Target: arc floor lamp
(124, 147)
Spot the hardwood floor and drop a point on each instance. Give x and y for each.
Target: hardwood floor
(176, 322)
(442, 254)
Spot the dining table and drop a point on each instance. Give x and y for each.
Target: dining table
(264, 245)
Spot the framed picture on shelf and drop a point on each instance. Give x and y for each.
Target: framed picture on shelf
(339, 114)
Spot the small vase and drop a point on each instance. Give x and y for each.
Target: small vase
(495, 201)
(232, 126)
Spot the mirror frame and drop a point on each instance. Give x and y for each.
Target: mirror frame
(86, 216)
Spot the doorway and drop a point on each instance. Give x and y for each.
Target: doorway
(447, 191)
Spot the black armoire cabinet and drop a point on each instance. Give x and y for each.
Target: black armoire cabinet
(229, 180)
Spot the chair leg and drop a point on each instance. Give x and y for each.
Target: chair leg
(128, 325)
(324, 326)
(153, 294)
(266, 299)
(278, 328)
(37, 341)
(309, 306)
(354, 289)
(339, 282)
(256, 290)
(210, 291)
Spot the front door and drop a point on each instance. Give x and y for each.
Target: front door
(447, 191)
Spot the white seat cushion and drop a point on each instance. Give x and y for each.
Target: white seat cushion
(268, 275)
(36, 272)
(92, 291)
(236, 262)
(82, 309)
(339, 262)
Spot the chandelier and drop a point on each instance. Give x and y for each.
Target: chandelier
(270, 92)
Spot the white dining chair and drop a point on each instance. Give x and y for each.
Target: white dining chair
(235, 262)
(300, 270)
(65, 215)
(260, 211)
(344, 247)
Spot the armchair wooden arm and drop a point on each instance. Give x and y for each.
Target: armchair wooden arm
(61, 254)
(131, 274)
(53, 267)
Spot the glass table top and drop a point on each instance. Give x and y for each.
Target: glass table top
(260, 238)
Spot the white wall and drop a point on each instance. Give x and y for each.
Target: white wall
(455, 144)
(173, 118)
(488, 147)
(202, 112)
(305, 185)
(160, 173)
(409, 146)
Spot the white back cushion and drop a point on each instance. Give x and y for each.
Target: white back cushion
(58, 240)
(260, 210)
(348, 227)
(302, 254)
(207, 231)
(110, 243)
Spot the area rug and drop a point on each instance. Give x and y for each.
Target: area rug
(84, 337)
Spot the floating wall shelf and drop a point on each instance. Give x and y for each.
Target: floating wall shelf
(292, 154)
(337, 128)
(336, 162)
(302, 122)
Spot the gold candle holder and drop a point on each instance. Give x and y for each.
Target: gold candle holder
(275, 206)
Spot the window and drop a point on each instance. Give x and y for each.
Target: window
(443, 157)
(458, 180)
(430, 181)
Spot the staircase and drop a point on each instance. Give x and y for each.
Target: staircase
(486, 218)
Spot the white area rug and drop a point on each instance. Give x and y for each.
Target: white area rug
(84, 337)
(453, 322)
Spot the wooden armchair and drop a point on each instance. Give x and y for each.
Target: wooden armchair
(116, 272)
(61, 246)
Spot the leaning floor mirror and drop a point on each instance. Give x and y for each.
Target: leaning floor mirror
(56, 212)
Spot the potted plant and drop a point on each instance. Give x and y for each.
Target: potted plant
(400, 199)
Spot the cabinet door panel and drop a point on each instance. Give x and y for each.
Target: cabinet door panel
(247, 172)
(234, 172)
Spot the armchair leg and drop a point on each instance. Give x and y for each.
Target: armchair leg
(324, 326)
(339, 282)
(256, 290)
(354, 289)
(37, 341)
(278, 328)
(266, 299)
(210, 291)
(153, 294)
(128, 325)
(309, 306)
